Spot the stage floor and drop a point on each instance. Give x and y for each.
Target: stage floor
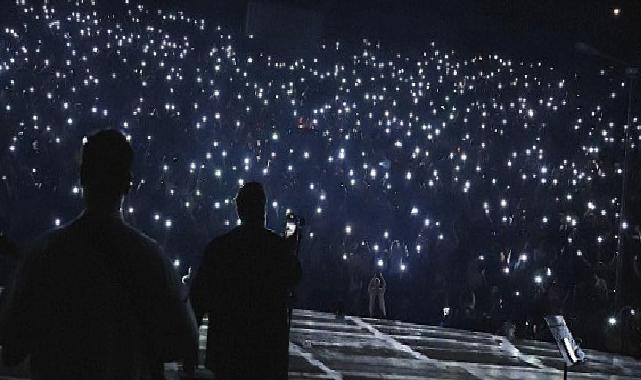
(323, 347)
(362, 348)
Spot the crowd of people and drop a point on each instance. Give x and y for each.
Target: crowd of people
(485, 188)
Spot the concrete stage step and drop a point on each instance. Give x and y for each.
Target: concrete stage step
(324, 347)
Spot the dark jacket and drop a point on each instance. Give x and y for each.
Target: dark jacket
(243, 285)
(96, 300)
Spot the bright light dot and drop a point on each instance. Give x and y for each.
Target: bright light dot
(348, 229)
(176, 263)
(168, 223)
(344, 256)
(616, 11)
(538, 279)
(612, 321)
(414, 211)
(57, 222)
(69, 121)
(503, 203)
(403, 267)
(380, 262)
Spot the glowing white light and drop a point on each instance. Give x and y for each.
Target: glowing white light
(168, 223)
(403, 267)
(380, 262)
(538, 279)
(348, 229)
(612, 321)
(414, 211)
(176, 263)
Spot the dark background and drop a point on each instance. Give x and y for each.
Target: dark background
(531, 29)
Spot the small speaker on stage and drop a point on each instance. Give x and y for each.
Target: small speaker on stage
(569, 349)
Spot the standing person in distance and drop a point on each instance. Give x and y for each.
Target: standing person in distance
(243, 285)
(97, 299)
(376, 290)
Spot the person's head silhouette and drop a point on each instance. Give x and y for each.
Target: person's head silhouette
(250, 204)
(105, 172)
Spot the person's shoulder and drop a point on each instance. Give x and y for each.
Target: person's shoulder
(273, 235)
(221, 240)
(141, 241)
(47, 244)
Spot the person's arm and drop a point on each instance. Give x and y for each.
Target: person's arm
(294, 272)
(169, 321)
(18, 312)
(200, 292)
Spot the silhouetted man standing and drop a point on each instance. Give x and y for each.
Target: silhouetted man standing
(97, 299)
(243, 284)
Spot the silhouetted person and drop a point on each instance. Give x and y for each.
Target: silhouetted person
(243, 284)
(376, 291)
(97, 299)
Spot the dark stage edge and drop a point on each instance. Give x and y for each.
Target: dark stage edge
(353, 348)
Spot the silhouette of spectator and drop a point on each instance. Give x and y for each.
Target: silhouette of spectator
(97, 299)
(376, 291)
(243, 284)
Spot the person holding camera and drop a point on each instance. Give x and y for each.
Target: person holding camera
(376, 290)
(243, 285)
